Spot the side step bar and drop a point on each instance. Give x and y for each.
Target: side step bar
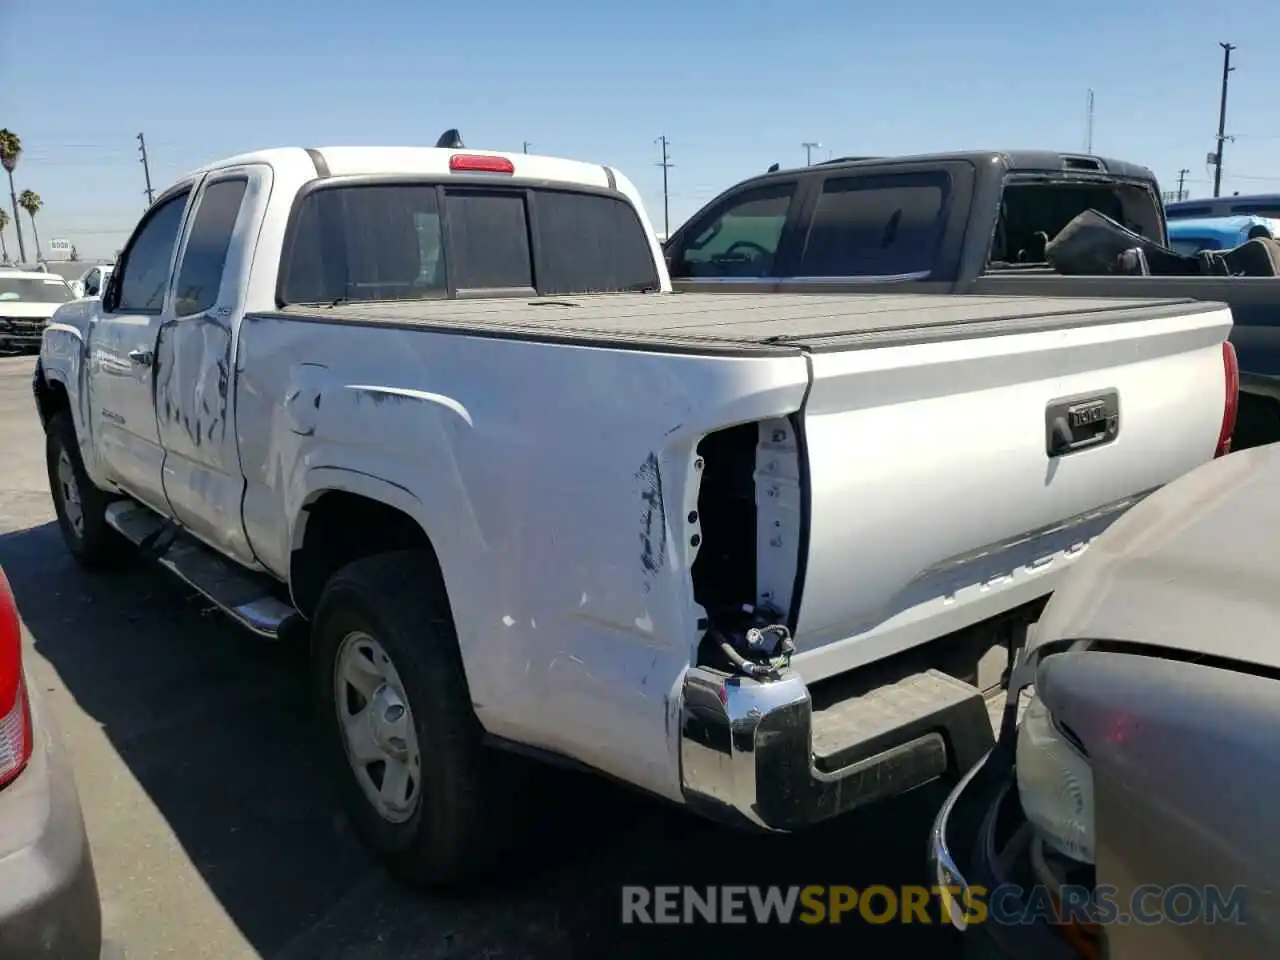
(246, 598)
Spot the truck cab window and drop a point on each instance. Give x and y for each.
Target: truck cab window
(360, 243)
(739, 239)
(1033, 213)
(591, 243)
(144, 275)
(489, 238)
(877, 226)
(205, 256)
(396, 242)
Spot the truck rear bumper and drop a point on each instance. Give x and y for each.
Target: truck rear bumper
(755, 753)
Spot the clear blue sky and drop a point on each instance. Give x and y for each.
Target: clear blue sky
(735, 86)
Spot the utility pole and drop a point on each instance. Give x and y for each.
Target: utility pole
(146, 170)
(809, 147)
(1182, 176)
(527, 145)
(666, 165)
(1222, 117)
(1088, 123)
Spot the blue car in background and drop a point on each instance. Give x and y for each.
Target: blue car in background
(1219, 233)
(1256, 204)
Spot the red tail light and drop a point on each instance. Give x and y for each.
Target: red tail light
(479, 163)
(15, 711)
(1231, 367)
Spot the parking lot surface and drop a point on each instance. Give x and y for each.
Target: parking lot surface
(216, 835)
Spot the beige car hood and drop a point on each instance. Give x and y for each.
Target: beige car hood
(1194, 567)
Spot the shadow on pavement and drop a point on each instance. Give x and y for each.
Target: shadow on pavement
(215, 725)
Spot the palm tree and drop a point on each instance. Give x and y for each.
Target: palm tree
(30, 201)
(10, 151)
(4, 247)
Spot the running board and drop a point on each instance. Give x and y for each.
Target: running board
(245, 597)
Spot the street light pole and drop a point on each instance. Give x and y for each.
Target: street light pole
(809, 147)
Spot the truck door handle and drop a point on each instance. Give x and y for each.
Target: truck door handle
(142, 358)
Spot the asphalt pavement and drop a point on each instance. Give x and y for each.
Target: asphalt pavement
(216, 835)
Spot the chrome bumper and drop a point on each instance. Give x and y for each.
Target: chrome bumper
(747, 757)
(965, 865)
(733, 731)
(944, 866)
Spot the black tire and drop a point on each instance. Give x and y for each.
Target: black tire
(94, 544)
(464, 817)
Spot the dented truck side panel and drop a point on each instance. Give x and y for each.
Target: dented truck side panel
(557, 495)
(195, 396)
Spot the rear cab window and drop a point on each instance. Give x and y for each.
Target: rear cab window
(1034, 209)
(414, 241)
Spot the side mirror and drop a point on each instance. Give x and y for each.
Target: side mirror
(77, 289)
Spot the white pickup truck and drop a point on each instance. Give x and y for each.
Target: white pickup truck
(762, 554)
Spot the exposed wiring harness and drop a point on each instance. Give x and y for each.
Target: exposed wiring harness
(773, 658)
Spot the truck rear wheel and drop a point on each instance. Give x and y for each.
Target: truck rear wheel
(80, 506)
(399, 728)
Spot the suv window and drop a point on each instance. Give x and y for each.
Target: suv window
(205, 256)
(739, 239)
(144, 275)
(877, 226)
(385, 242)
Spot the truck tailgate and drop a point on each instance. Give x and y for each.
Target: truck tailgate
(934, 501)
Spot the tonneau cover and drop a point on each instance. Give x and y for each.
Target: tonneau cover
(768, 322)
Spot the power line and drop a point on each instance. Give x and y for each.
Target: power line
(146, 170)
(1222, 117)
(666, 165)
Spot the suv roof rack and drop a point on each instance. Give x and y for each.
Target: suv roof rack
(846, 160)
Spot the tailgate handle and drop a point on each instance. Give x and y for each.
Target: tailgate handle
(1081, 422)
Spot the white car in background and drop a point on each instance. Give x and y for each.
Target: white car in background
(27, 301)
(92, 282)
